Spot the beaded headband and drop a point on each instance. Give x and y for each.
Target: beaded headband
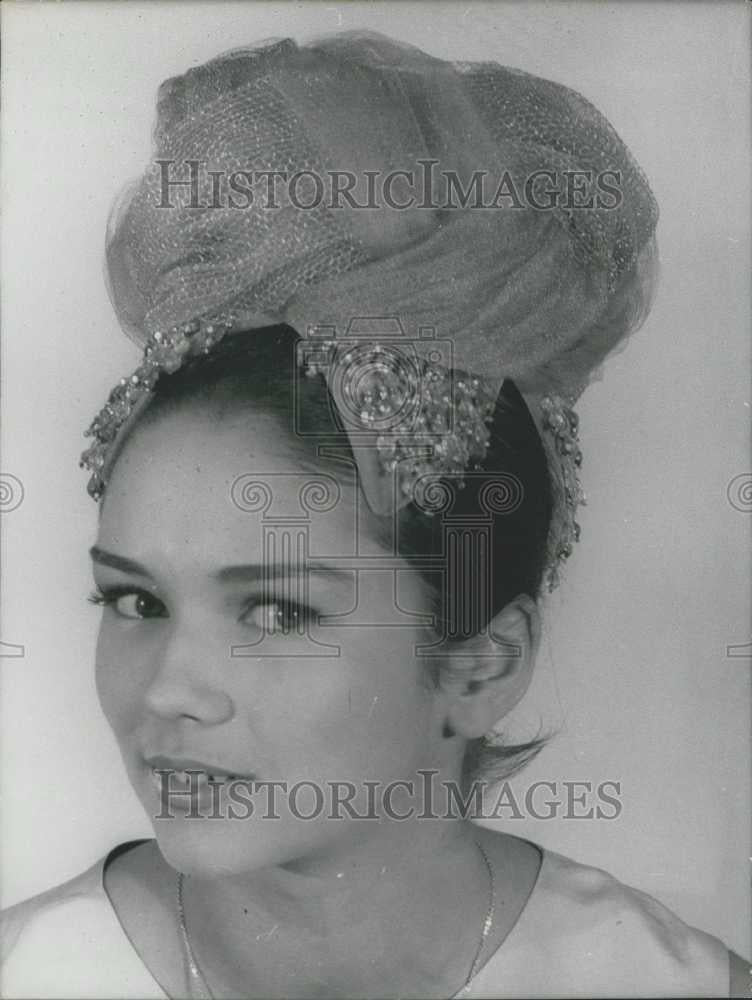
(449, 414)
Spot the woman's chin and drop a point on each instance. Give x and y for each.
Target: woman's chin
(213, 849)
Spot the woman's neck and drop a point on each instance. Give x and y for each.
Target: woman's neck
(399, 908)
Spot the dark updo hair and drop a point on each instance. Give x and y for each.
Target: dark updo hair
(258, 369)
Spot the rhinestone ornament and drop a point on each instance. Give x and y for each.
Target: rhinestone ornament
(452, 416)
(164, 352)
(561, 424)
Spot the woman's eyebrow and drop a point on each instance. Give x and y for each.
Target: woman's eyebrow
(117, 562)
(254, 572)
(243, 573)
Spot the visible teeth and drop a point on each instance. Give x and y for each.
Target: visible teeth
(184, 779)
(162, 774)
(178, 777)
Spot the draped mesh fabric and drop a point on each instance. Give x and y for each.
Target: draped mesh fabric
(538, 295)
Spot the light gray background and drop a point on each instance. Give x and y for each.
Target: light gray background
(634, 670)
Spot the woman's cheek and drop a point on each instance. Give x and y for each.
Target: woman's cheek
(361, 714)
(121, 674)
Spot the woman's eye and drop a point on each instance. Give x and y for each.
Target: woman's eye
(135, 604)
(278, 616)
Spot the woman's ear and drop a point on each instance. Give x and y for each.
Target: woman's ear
(484, 677)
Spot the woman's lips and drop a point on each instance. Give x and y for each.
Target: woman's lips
(187, 784)
(161, 762)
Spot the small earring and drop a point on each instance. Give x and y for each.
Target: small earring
(447, 732)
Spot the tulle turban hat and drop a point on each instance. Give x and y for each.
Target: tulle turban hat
(334, 184)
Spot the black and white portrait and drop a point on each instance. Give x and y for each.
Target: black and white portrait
(375, 495)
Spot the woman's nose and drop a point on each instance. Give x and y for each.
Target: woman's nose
(187, 681)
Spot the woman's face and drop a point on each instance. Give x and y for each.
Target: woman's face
(189, 668)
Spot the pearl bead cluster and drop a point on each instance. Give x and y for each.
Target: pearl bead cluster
(449, 414)
(164, 352)
(562, 423)
(453, 416)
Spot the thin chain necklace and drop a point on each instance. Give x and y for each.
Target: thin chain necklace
(199, 988)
